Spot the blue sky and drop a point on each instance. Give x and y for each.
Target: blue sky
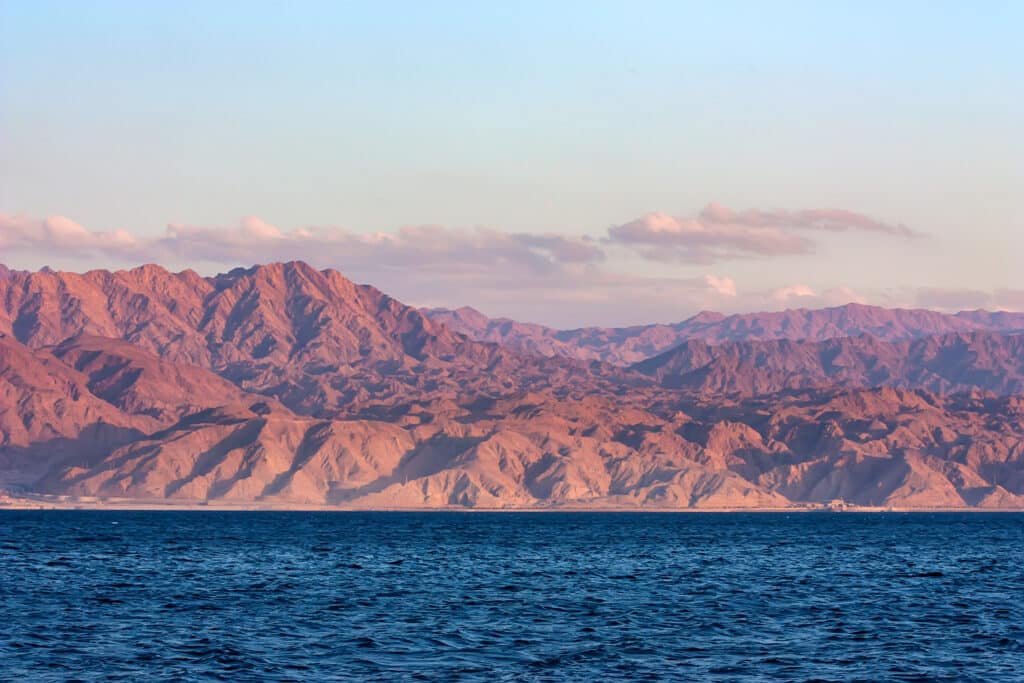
(529, 118)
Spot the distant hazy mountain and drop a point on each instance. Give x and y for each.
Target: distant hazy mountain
(946, 363)
(627, 345)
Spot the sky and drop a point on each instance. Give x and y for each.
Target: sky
(570, 163)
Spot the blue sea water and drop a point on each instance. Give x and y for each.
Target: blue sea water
(500, 596)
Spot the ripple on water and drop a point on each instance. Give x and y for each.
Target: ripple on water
(437, 596)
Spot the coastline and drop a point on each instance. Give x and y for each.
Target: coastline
(63, 503)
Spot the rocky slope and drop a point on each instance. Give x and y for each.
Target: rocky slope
(283, 385)
(880, 447)
(43, 401)
(89, 395)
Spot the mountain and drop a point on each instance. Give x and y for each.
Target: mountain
(279, 314)
(282, 385)
(319, 343)
(946, 364)
(880, 447)
(628, 345)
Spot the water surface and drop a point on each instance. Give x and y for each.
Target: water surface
(499, 596)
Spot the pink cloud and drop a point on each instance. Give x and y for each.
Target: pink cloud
(665, 237)
(555, 279)
(1009, 299)
(426, 246)
(60, 234)
(952, 299)
(784, 294)
(716, 234)
(719, 233)
(253, 240)
(830, 220)
(725, 286)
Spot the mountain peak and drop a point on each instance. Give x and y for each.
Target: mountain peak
(706, 317)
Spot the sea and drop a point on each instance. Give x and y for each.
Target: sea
(450, 596)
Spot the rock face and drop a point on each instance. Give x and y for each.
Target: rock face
(283, 385)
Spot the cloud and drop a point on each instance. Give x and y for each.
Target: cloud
(424, 264)
(717, 233)
(830, 220)
(784, 294)
(953, 299)
(843, 295)
(723, 285)
(424, 246)
(556, 279)
(1009, 299)
(804, 296)
(61, 235)
(720, 233)
(256, 241)
(564, 249)
(661, 237)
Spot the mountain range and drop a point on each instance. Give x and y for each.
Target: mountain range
(628, 345)
(283, 385)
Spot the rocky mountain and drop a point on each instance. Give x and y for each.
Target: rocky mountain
(276, 315)
(946, 364)
(628, 345)
(281, 385)
(880, 447)
(316, 341)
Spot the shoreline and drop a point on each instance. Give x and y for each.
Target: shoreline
(22, 504)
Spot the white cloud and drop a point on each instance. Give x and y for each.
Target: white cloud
(661, 237)
(58, 234)
(723, 285)
(784, 294)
